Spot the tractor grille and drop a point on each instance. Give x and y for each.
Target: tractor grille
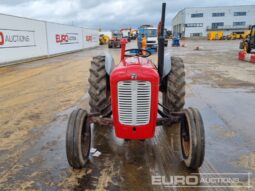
(134, 102)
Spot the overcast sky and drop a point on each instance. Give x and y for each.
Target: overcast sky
(105, 14)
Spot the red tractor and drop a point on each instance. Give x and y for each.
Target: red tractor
(127, 97)
(114, 42)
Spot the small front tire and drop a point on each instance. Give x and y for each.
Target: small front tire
(192, 138)
(78, 139)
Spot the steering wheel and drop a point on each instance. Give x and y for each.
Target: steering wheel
(137, 52)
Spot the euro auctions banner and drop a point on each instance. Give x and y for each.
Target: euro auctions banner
(13, 38)
(25, 39)
(90, 38)
(63, 38)
(21, 38)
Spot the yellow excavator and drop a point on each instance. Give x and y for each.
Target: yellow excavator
(248, 43)
(245, 34)
(235, 35)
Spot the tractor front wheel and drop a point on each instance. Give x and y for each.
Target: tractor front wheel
(192, 138)
(78, 139)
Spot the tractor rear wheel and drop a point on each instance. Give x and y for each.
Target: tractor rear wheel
(174, 95)
(99, 87)
(192, 138)
(78, 139)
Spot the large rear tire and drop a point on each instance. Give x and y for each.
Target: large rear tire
(192, 138)
(78, 139)
(99, 87)
(174, 95)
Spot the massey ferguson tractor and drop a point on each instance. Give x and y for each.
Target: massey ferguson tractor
(127, 97)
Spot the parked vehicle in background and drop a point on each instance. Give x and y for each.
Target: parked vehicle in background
(133, 34)
(245, 34)
(249, 43)
(114, 42)
(126, 33)
(215, 35)
(103, 39)
(106, 33)
(234, 36)
(150, 33)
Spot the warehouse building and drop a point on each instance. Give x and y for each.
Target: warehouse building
(198, 21)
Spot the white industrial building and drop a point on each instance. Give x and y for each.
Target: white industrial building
(198, 21)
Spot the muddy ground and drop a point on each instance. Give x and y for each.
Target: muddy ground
(36, 99)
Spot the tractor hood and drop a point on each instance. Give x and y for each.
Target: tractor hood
(134, 95)
(136, 65)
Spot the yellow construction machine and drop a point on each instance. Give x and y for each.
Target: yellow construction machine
(245, 34)
(248, 43)
(103, 39)
(235, 35)
(215, 35)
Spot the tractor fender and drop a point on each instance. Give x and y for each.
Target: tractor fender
(167, 65)
(109, 63)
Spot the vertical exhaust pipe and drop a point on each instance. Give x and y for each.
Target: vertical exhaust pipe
(161, 41)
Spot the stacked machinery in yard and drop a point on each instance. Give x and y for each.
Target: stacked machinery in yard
(114, 42)
(219, 35)
(129, 93)
(215, 35)
(249, 42)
